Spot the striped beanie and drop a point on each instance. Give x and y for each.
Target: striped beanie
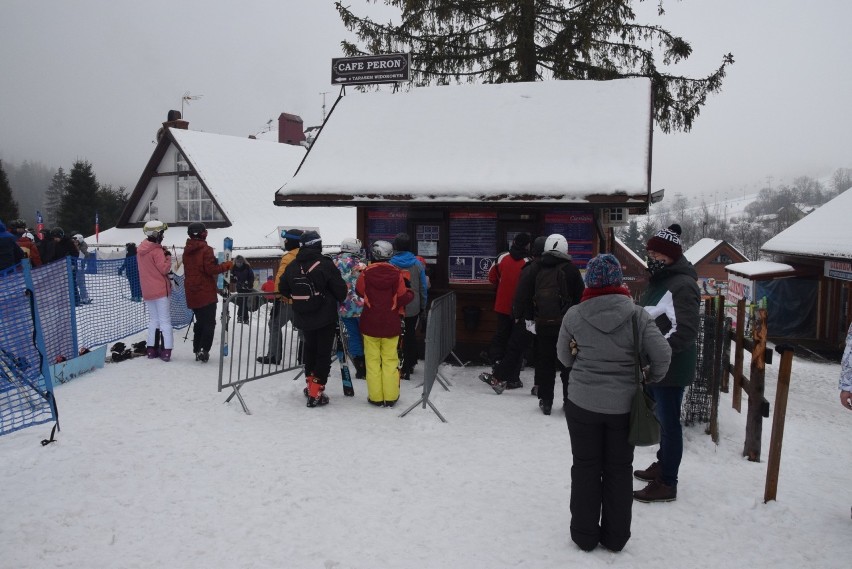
(603, 271)
(667, 242)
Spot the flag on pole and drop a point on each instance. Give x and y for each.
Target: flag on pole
(97, 228)
(39, 225)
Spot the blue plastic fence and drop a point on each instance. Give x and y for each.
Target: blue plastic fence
(26, 391)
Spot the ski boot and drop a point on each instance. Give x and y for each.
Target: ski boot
(485, 377)
(166, 354)
(316, 396)
(202, 356)
(152, 352)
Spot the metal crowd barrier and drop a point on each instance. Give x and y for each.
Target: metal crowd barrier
(263, 345)
(440, 341)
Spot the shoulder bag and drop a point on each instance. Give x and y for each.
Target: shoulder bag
(644, 426)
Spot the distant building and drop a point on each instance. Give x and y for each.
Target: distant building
(709, 257)
(633, 267)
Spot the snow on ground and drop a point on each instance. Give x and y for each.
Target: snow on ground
(152, 469)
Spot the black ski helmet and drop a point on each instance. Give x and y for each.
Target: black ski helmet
(197, 230)
(57, 232)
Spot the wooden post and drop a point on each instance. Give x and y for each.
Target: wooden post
(778, 418)
(724, 341)
(754, 415)
(719, 337)
(737, 396)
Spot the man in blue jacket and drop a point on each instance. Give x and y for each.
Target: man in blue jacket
(405, 260)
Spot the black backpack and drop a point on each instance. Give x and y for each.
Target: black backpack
(304, 293)
(551, 298)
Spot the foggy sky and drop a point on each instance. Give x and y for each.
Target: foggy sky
(94, 80)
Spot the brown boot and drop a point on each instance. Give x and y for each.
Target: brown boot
(649, 474)
(656, 491)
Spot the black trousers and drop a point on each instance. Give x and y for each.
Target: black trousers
(204, 328)
(546, 364)
(317, 351)
(409, 344)
(509, 367)
(497, 349)
(601, 478)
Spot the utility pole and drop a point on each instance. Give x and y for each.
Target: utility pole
(323, 93)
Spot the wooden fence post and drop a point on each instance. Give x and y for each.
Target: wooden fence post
(778, 418)
(737, 395)
(756, 407)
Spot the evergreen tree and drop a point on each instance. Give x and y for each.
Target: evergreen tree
(53, 197)
(29, 181)
(111, 203)
(8, 205)
(495, 41)
(80, 200)
(632, 238)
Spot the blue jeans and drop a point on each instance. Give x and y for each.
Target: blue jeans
(668, 399)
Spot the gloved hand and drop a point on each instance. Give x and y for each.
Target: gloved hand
(228, 265)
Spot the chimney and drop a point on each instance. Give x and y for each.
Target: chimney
(290, 129)
(175, 121)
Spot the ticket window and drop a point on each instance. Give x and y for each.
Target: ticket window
(427, 244)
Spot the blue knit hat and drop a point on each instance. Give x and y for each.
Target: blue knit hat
(602, 271)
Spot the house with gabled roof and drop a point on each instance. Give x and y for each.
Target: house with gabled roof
(819, 248)
(464, 168)
(633, 268)
(226, 182)
(709, 257)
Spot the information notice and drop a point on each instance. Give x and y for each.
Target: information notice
(578, 228)
(385, 223)
(473, 246)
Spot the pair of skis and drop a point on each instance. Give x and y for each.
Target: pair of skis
(342, 350)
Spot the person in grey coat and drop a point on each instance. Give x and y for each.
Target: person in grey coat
(596, 343)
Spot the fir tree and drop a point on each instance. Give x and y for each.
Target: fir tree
(495, 41)
(632, 238)
(111, 203)
(80, 200)
(8, 205)
(53, 197)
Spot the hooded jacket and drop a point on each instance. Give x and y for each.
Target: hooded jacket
(407, 261)
(350, 267)
(154, 266)
(674, 301)
(243, 276)
(10, 253)
(505, 273)
(382, 286)
(326, 279)
(603, 376)
(200, 269)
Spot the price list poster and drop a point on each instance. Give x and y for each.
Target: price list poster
(473, 246)
(384, 223)
(578, 228)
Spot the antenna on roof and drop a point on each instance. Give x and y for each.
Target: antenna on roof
(323, 93)
(186, 98)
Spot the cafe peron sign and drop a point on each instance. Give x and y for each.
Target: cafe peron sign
(368, 69)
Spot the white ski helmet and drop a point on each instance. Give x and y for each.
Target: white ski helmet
(154, 228)
(556, 242)
(381, 251)
(78, 238)
(350, 245)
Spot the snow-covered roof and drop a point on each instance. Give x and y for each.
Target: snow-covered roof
(826, 232)
(630, 252)
(704, 247)
(701, 249)
(557, 141)
(757, 268)
(242, 175)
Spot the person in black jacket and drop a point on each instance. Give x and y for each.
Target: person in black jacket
(315, 317)
(10, 253)
(244, 278)
(546, 290)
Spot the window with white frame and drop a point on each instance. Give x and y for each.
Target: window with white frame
(193, 201)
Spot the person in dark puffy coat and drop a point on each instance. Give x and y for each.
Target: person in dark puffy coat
(10, 253)
(200, 270)
(673, 300)
(244, 280)
(318, 325)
